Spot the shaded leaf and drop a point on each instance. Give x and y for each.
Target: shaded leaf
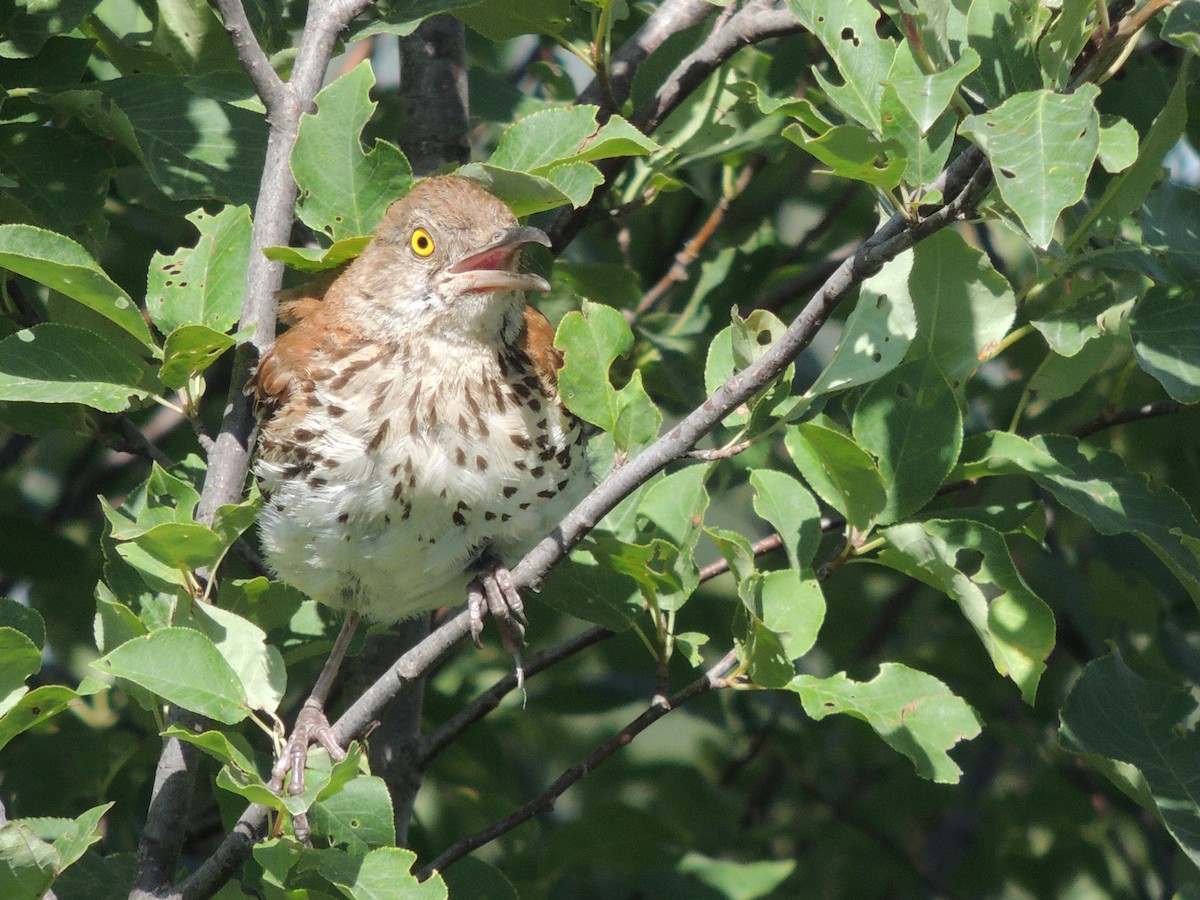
(1099, 487)
(1165, 326)
(910, 421)
(54, 363)
(841, 472)
(61, 264)
(1114, 712)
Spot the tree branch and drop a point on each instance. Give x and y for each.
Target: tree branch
(713, 678)
(267, 84)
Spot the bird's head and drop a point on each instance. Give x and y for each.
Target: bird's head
(451, 251)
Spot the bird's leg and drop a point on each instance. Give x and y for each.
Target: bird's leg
(493, 591)
(312, 727)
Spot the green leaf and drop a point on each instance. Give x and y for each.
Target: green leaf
(526, 194)
(194, 146)
(1041, 146)
(259, 666)
(1126, 192)
(1005, 33)
(877, 333)
(782, 500)
(202, 285)
(1003, 453)
(61, 181)
(343, 191)
(910, 421)
(761, 650)
(20, 617)
(915, 713)
(183, 667)
(1166, 339)
(231, 749)
(789, 603)
(591, 341)
(37, 706)
(971, 563)
(549, 137)
(1114, 712)
(1170, 219)
(1100, 488)
(924, 154)
(400, 20)
(1118, 144)
(78, 834)
(54, 363)
(852, 151)
(189, 350)
(673, 508)
(927, 96)
(317, 259)
(19, 658)
(1181, 26)
(581, 587)
(27, 863)
(1063, 41)
(964, 306)
(383, 874)
(187, 545)
(27, 26)
(737, 880)
(847, 29)
(359, 816)
(500, 20)
(473, 879)
(64, 266)
(735, 349)
(1091, 313)
(841, 472)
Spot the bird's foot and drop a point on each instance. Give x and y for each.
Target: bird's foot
(311, 728)
(493, 592)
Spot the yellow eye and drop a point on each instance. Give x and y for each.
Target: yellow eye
(421, 242)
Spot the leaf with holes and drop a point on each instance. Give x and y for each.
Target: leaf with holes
(1041, 146)
(203, 284)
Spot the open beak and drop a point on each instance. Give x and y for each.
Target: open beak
(495, 266)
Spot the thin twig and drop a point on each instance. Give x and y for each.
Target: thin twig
(691, 250)
(1148, 411)
(720, 452)
(712, 679)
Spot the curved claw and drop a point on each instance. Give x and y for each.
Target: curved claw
(312, 727)
(494, 592)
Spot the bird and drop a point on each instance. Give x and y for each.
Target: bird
(412, 439)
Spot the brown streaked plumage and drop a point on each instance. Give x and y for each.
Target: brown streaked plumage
(412, 436)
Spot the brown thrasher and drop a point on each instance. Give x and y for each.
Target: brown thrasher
(412, 434)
